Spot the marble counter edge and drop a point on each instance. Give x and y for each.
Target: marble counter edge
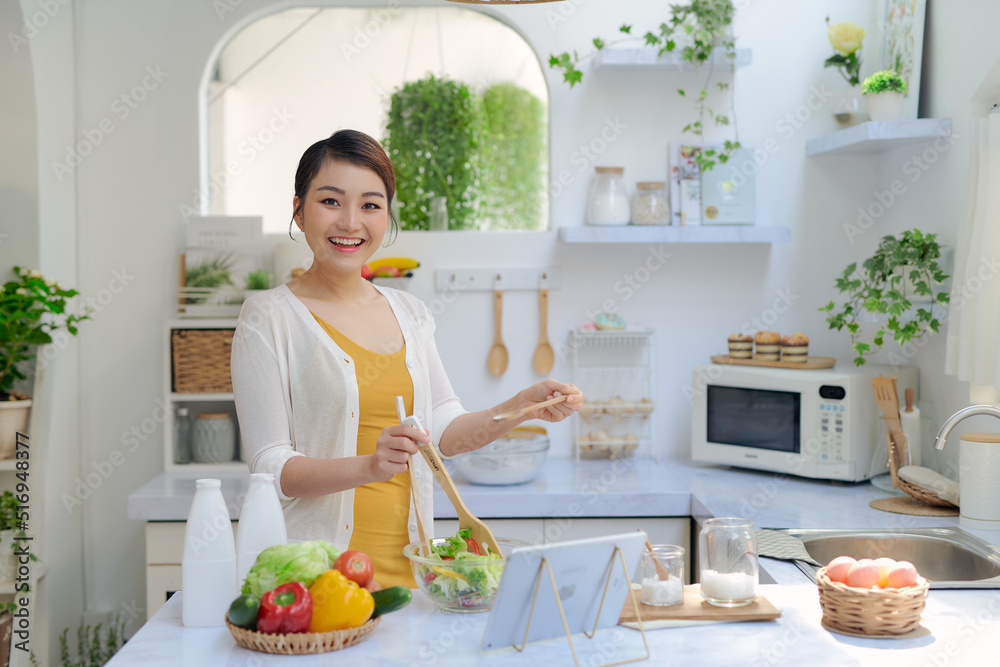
(565, 487)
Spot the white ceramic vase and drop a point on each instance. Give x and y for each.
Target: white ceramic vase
(13, 419)
(884, 106)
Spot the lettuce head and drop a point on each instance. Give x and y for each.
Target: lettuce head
(282, 563)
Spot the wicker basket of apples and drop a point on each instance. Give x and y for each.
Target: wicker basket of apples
(880, 597)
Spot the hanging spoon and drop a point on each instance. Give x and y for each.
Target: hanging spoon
(544, 358)
(497, 359)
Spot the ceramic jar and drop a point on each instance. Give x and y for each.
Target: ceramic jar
(214, 439)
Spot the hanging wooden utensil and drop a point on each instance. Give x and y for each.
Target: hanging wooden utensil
(545, 357)
(497, 359)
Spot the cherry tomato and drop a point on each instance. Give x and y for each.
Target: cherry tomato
(356, 566)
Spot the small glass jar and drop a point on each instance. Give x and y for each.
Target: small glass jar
(728, 558)
(663, 585)
(214, 438)
(607, 199)
(649, 205)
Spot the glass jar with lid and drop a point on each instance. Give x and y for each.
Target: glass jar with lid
(607, 199)
(649, 205)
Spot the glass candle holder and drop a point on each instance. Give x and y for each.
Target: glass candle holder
(663, 586)
(728, 558)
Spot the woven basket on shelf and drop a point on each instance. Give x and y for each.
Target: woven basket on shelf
(301, 643)
(201, 360)
(871, 611)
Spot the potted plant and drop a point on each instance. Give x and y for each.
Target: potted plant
(8, 521)
(884, 92)
(697, 28)
(256, 281)
(902, 270)
(31, 310)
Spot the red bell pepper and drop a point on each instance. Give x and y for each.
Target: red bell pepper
(286, 609)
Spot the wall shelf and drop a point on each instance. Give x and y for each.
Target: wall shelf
(675, 234)
(878, 136)
(646, 57)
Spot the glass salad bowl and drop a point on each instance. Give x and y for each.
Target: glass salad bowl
(515, 458)
(464, 584)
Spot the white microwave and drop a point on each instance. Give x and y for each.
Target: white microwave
(823, 424)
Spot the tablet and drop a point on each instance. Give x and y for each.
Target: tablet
(580, 569)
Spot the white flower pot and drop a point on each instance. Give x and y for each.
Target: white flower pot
(884, 106)
(13, 419)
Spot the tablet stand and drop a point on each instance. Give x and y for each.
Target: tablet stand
(590, 635)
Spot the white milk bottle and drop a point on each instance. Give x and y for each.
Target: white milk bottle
(208, 566)
(262, 523)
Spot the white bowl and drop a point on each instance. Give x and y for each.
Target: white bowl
(508, 460)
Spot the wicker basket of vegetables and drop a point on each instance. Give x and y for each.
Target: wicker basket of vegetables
(309, 598)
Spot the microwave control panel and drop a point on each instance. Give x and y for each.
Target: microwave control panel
(832, 425)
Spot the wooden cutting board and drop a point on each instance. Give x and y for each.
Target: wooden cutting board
(695, 608)
(810, 362)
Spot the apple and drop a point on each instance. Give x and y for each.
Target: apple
(387, 272)
(366, 272)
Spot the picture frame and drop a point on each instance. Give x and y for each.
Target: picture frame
(902, 26)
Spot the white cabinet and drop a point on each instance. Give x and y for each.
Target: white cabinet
(615, 371)
(164, 548)
(198, 401)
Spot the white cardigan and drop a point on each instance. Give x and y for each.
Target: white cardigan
(296, 394)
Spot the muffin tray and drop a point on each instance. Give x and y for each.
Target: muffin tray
(810, 362)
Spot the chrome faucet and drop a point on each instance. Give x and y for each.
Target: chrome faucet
(970, 411)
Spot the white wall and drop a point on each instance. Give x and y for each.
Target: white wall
(124, 217)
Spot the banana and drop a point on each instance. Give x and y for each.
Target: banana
(404, 264)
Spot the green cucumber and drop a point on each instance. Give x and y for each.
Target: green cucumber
(391, 599)
(243, 611)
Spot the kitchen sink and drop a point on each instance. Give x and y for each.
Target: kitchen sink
(946, 557)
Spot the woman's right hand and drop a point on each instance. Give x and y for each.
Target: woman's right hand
(393, 449)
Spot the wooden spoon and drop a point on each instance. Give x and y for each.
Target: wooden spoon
(661, 570)
(545, 358)
(497, 359)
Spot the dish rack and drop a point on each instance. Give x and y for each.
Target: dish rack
(615, 371)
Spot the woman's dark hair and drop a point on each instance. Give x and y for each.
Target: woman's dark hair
(351, 146)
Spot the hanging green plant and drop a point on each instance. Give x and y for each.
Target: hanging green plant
(702, 26)
(434, 137)
(900, 269)
(514, 157)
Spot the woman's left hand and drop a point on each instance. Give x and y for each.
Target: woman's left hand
(543, 391)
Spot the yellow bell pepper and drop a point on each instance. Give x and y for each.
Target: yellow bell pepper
(338, 603)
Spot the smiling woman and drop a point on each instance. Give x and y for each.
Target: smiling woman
(306, 72)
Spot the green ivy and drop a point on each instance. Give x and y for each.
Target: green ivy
(878, 288)
(514, 157)
(434, 136)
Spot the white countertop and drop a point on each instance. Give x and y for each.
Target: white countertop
(962, 628)
(963, 624)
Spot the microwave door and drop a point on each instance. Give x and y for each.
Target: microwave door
(756, 418)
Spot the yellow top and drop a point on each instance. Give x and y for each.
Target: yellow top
(380, 508)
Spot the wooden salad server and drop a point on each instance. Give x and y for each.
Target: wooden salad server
(480, 532)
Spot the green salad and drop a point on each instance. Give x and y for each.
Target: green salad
(466, 578)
